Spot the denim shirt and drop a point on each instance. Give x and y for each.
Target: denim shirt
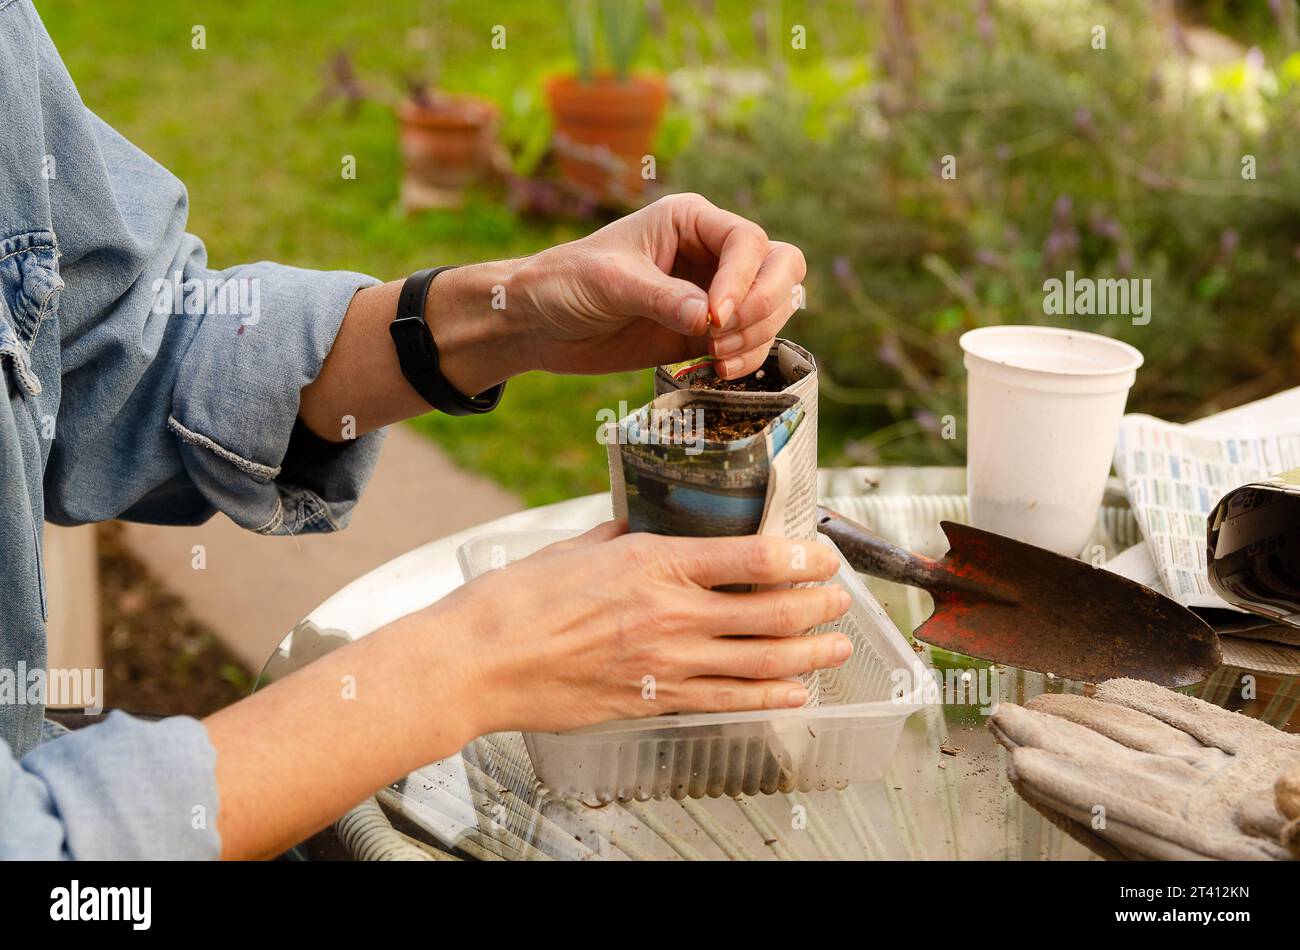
(139, 384)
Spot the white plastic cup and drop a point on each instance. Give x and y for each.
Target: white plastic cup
(1043, 407)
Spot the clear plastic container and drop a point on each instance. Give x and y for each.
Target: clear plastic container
(849, 736)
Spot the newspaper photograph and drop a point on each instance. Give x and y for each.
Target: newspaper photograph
(1252, 530)
(696, 465)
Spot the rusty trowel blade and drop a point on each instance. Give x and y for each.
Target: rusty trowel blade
(1064, 616)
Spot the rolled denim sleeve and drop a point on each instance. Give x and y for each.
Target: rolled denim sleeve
(122, 789)
(235, 399)
(175, 386)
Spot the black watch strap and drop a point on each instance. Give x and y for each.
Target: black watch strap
(418, 354)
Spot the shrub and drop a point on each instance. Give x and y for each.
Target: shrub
(1127, 161)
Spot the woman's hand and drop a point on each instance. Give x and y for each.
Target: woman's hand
(606, 626)
(635, 294)
(611, 626)
(647, 289)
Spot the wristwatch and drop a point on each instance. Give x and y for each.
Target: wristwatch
(418, 354)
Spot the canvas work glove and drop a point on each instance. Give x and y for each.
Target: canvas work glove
(1139, 771)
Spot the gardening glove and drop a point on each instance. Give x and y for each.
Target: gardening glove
(1288, 803)
(1139, 771)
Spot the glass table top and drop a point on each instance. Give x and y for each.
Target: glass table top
(945, 794)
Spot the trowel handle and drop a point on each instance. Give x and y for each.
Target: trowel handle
(871, 554)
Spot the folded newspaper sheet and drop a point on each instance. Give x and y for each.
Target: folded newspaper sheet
(1185, 484)
(1174, 475)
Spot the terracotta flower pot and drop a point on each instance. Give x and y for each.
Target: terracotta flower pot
(603, 130)
(446, 145)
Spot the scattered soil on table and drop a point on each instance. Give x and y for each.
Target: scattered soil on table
(157, 657)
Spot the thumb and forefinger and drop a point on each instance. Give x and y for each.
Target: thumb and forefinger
(679, 305)
(701, 231)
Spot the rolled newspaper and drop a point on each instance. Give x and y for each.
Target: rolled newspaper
(1253, 537)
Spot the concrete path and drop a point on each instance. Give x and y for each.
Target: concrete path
(256, 588)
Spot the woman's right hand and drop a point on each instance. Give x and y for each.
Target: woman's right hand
(611, 625)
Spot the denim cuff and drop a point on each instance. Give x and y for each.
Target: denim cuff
(127, 789)
(237, 394)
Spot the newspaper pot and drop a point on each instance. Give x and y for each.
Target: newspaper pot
(668, 477)
(603, 129)
(757, 474)
(446, 144)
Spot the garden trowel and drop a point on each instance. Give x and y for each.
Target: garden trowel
(1026, 607)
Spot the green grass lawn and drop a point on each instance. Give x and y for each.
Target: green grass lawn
(234, 122)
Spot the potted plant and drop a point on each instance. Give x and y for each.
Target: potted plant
(447, 143)
(605, 117)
